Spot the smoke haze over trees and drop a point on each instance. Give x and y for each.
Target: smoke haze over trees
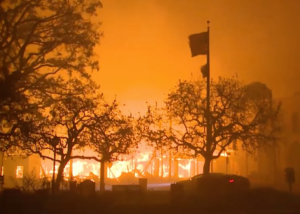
(236, 117)
(47, 56)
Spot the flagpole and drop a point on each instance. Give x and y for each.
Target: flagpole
(209, 131)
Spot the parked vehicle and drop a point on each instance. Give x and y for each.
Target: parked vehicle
(214, 183)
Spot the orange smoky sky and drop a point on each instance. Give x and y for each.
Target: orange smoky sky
(144, 51)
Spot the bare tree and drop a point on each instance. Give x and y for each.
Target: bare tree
(112, 135)
(64, 130)
(40, 41)
(235, 117)
(154, 126)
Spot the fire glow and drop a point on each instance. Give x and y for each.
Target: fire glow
(142, 162)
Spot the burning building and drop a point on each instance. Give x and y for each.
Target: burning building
(152, 165)
(156, 166)
(15, 167)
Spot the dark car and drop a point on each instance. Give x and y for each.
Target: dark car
(214, 183)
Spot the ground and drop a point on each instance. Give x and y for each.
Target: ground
(262, 200)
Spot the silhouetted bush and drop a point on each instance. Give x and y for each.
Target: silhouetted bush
(30, 183)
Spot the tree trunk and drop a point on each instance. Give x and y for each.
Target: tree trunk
(59, 176)
(206, 166)
(102, 176)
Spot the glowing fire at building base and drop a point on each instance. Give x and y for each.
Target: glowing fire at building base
(146, 164)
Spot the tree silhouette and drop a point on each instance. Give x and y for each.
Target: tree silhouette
(154, 126)
(40, 42)
(65, 130)
(234, 115)
(112, 135)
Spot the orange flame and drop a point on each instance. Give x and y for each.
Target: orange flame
(83, 168)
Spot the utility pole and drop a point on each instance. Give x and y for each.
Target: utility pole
(71, 160)
(170, 164)
(2, 164)
(197, 165)
(170, 154)
(208, 115)
(247, 164)
(162, 163)
(55, 141)
(1, 171)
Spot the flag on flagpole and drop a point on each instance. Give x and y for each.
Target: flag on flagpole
(199, 44)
